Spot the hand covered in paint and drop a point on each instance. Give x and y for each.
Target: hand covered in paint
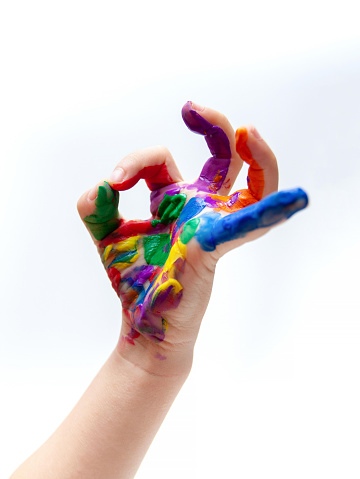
(162, 268)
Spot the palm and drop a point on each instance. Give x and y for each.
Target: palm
(146, 260)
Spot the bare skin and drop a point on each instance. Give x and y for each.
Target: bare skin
(110, 429)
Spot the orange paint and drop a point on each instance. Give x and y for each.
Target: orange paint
(227, 204)
(227, 184)
(242, 198)
(217, 178)
(255, 174)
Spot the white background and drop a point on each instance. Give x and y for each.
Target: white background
(274, 390)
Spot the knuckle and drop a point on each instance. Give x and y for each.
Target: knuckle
(164, 151)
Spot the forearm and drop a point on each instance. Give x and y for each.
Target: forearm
(110, 429)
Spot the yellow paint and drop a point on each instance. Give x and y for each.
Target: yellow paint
(165, 325)
(107, 251)
(177, 251)
(120, 266)
(167, 277)
(128, 244)
(171, 282)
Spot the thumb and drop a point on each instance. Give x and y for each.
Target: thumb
(98, 208)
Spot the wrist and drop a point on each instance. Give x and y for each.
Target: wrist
(157, 359)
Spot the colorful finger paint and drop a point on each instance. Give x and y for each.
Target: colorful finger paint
(105, 218)
(156, 176)
(145, 259)
(215, 170)
(170, 209)
(255, 179)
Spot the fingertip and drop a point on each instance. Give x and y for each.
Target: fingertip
(248, 134)
(254, 150)
(193, 120)
(86, 202)
(93, 192)
(241, 137)
(288, 202)
(186, 108)
(197, 107)
(294, 194)
(254, 132)
(302, 198)
(201, 119)
(190, 105)
(116, 178)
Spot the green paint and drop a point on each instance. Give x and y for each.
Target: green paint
(170, 209)
(157, 249)
(105, 218)
(189, 230)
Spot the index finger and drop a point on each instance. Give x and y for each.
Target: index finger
(154, 164)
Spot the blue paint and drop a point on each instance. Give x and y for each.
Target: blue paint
(136, 280)
(204, 233)
(214, 230)
(124, 258)
(191, 209)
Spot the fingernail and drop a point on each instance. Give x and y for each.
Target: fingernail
(256, 133)
(117, 175)
(93, 193)
(197, 107)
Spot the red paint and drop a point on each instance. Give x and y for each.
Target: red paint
(128, 298)
(131, 336)
(127, 229)
(134, 227)
(227, 184)
(156, 177)
(115, 278)
(154, 274)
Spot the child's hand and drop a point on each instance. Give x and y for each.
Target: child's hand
(162, 268)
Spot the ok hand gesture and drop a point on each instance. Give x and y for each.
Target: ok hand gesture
(162, 268)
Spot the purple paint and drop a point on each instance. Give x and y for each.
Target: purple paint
(157, 196)
(212, 202)
(147, 322)
(165, 300)
(214, 172)
(160, 356)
